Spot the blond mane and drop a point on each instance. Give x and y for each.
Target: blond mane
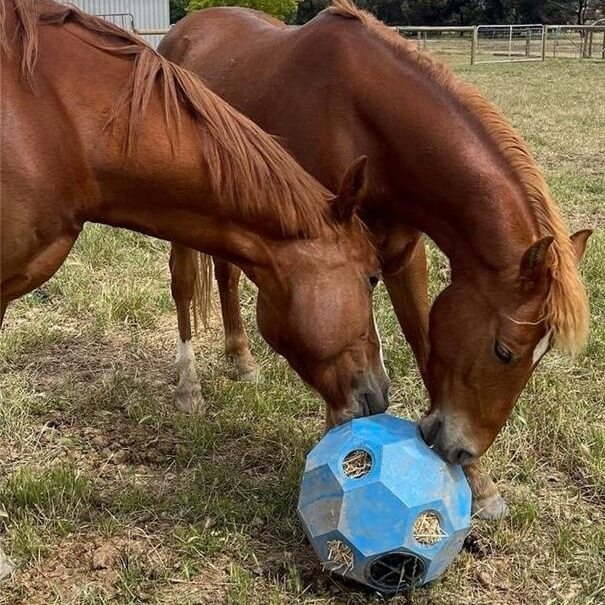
(253, 175)
(566, 308)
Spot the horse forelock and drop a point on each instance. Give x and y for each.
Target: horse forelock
(253, 175)
(566, 309)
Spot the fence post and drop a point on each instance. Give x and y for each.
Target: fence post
(527, 42)
(474, 45)
(544, 36)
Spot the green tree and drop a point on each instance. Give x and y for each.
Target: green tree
(307, 9)
(178, 9)
(281, 9)
(583, 11)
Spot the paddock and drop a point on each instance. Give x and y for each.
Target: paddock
(109, 495)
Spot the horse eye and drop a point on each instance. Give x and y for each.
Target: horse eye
(374, 279)
(502, 353)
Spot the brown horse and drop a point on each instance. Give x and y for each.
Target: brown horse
(96, 126)
(442, 161)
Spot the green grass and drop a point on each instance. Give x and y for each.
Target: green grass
(202, 510)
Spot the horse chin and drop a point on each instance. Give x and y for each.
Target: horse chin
(361, 404)
(341, 415)
(338, 416)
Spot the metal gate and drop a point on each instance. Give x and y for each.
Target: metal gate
(506, 43)
(123, 20)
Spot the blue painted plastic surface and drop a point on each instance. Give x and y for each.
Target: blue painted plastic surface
(373, 516)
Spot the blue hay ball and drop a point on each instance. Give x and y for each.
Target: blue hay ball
(382, 508)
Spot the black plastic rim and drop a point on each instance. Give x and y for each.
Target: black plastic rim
(396, 571)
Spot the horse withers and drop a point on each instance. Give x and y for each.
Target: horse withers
(442, 161)
(96, 126)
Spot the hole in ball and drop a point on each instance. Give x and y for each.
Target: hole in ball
(357, 464)
(396, 571)
(427, 529)
(340, 556)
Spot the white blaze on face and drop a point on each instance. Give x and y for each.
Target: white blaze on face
(542, 347)
(379, 346)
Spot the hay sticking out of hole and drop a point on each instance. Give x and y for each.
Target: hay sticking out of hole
(427, 529)
(357, 464)
(340, 556)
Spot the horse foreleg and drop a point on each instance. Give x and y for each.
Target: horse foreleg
(487, 501)
(237, 347)
(183, 267)
(408, 289)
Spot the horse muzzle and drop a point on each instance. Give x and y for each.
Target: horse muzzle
(370, 397)
(445, 440)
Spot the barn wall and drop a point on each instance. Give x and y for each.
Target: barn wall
(147, 14)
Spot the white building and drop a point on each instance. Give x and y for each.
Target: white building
(131, 14)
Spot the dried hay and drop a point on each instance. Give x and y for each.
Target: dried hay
(357, 464)
(427, 529)
(340, 556)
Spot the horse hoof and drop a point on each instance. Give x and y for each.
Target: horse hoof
(250, 375)
(491, 508)
(190, 402)
(244, 370)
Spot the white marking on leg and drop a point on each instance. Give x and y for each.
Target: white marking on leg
(185, 366)
(185, 354)
(379, 346)
(188, 397)
(542, 347)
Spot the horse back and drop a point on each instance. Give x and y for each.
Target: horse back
(297, 83)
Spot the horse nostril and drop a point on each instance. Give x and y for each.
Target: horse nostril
(461, 456)
(430, 431)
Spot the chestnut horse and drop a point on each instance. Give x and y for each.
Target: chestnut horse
(442, 161)
(96, 126)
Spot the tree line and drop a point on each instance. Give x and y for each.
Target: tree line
(422, 12)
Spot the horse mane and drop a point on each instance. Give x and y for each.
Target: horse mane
(253, 175)
(566, 309)
(26, 13)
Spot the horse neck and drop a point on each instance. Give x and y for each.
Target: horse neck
(445, 177)
(159, 188)
(167, 194)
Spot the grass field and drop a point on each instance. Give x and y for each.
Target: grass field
(107, 495)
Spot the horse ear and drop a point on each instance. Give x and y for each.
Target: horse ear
(352, 190)
(533, 262)
(579, 239)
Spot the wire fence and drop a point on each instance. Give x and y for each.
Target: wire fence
(575, 41)
(451, 45)
(508, 43)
